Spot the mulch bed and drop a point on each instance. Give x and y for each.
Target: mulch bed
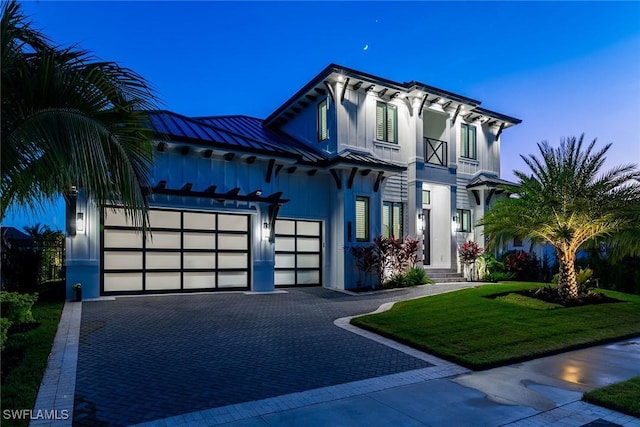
(551, 295)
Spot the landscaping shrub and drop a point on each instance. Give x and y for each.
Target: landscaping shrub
(417, 276)
(523, 265)
(4, 328)
(388, 258)
(489, 266)
(17, 307)
(583, 277)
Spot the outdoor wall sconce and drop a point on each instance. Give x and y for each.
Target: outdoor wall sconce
(265, 231)
(80, 222)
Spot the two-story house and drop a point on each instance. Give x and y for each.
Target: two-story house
(240, 203)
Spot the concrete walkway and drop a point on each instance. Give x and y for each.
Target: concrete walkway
(541, 392)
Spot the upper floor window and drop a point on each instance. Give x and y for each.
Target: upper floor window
(386, 122)
(323, 127)
(463, 220)
(392, 220)
(468, 142)
(362, 219)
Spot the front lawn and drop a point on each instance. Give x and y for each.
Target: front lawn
(622, 397)
(25, 358)
(478, 332)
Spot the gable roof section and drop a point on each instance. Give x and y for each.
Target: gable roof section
(334, 72)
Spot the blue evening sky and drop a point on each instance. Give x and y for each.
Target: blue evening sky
(564, 68)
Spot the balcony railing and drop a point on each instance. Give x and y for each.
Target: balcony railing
(435, 151)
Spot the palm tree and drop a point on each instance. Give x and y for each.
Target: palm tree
(69, 121)
(568, 202)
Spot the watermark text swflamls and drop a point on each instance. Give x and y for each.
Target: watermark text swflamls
(40, 414)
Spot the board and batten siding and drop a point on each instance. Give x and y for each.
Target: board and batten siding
(304, 126)
(487, 149)
(357, 127)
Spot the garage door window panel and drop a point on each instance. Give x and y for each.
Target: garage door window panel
(123, 260)
(163, 260)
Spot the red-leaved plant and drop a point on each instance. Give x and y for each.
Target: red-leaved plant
(469, 252)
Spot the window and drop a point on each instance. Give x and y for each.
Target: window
(386, 122)
(392, 220)
(323, 127)
(463, 219)
(517, 242)
(362, 219)
(468, 142)
(426, 197)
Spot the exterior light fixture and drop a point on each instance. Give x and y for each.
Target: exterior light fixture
(265, 231)
(80, 222)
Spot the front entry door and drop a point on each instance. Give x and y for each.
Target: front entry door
(426, 236)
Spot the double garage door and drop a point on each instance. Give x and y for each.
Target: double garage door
(185, 251)
(190, 251)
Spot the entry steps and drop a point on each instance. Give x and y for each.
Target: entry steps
(444, 275)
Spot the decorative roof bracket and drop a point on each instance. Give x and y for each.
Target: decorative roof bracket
(344, 90)
(270, 169)
(491, 193)
(500, 130)
(455, 116)
(330, 89)
(424, 100)
(351, 177)
(336, 178)
(476, 195)
(379, 179)
(409, 106)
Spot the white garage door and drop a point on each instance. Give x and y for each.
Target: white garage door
(298, 253)
(186, 251)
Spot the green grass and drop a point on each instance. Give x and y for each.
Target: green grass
(622, 397)
(478, 332)
(527, 302)
(20, 387)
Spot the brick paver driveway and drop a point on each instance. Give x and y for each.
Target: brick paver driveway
(152, 357)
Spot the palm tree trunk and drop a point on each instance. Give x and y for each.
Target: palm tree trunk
(567, 283)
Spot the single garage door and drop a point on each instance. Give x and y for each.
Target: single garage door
(186, 251)
(298, 253)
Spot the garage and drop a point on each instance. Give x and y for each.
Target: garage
(298, 253)
(184, 251)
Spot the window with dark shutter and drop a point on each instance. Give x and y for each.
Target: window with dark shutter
(323, 127)
(362, 219)
(386, 122)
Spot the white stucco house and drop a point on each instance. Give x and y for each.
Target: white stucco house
(253, 204)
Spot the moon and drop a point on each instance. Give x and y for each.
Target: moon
(366, 46)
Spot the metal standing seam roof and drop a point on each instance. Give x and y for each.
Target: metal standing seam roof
(365, 159)
(253, 127)
(249, 135)
(184, 128)
(490, 180)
